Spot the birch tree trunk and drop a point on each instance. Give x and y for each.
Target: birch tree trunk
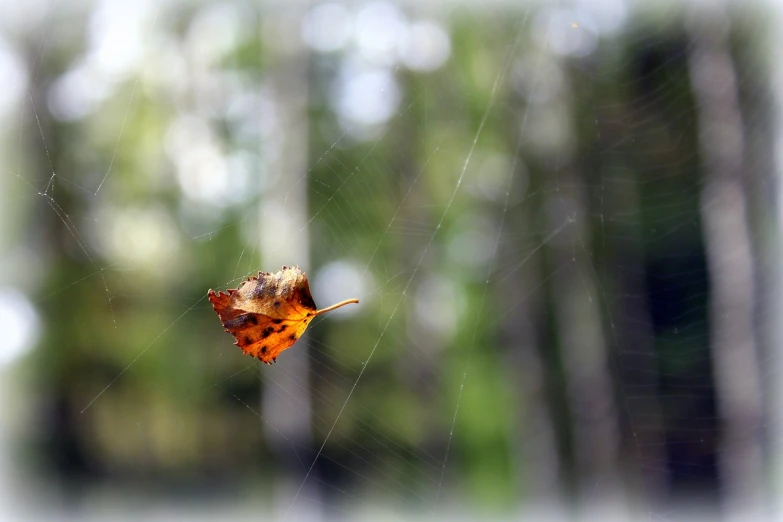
(534, 451)
(590, 394)
(578, 308)
(774, 294)
(730, 263)
(284, 240)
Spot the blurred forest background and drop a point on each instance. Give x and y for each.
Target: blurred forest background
(562, 222)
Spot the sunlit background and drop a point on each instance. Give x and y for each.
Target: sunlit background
(562, 221)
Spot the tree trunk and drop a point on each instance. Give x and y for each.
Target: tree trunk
(284, 240)
(730, 262)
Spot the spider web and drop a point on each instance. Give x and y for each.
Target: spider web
(532, 204)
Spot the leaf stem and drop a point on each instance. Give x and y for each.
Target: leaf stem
(338, 305)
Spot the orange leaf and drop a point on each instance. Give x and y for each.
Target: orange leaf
(268, 313)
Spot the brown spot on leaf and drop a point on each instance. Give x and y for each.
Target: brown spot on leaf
(306, 300)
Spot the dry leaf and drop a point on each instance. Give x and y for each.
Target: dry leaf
(268, 313)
